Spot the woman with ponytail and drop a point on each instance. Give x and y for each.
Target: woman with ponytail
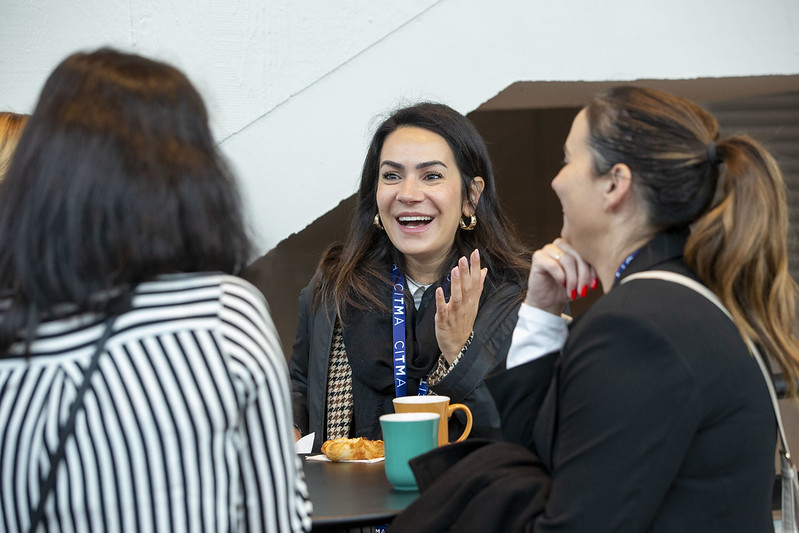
(648, 413)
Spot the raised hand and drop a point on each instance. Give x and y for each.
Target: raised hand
(455, 319)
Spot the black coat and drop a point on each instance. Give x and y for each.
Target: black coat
(489, 486)
(310, 357)
(654, 417)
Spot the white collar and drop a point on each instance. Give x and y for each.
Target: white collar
(416, 290)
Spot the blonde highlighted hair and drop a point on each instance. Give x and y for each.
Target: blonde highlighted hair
(11, 125)
(738, 248)
(729, 191)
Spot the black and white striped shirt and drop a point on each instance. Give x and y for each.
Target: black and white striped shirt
(186, 426)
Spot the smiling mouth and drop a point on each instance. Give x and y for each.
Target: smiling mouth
(414, 222)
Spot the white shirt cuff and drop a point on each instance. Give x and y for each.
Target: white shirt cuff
(537, 334)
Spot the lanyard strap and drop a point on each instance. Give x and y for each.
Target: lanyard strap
(398, 318)
(626, 262)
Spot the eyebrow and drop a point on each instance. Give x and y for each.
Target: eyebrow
(421, 165)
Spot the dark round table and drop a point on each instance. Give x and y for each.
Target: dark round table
(349, 496)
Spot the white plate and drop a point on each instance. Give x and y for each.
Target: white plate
(323, 459)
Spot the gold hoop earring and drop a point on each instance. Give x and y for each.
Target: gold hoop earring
(377, 223)
(472, 224)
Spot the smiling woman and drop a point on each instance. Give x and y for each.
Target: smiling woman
(398, 308)
(419, 198)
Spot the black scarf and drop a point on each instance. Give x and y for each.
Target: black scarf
(368, 342)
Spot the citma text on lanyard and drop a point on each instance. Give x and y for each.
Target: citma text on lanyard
(398, 330)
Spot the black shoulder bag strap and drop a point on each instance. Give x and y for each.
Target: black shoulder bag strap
(46, 486)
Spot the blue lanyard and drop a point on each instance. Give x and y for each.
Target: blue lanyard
(398, 329)
(625, 263)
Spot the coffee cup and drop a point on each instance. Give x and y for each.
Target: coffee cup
(405, 436)
(435, 404)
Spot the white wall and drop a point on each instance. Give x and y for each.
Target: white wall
(294, 86)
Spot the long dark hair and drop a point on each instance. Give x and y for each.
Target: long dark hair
(729, 191)
(348, 273)
(116, 179)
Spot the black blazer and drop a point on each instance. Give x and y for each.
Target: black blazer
(493, 328)
(654, 417)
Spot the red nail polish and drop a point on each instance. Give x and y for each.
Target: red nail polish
(584, 291)
(594, 283)
(574, 294)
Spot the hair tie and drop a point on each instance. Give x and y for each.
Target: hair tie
(712, 157)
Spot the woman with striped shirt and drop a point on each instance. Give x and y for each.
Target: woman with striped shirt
(142, 385)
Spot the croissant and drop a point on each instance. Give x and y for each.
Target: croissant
(359, 448)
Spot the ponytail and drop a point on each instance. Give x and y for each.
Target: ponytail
(738, 248)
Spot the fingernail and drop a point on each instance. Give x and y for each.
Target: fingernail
(574, 294)
(594, 283)
(477, 253)
(584, 291)
(456, 273)
(463, 262)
